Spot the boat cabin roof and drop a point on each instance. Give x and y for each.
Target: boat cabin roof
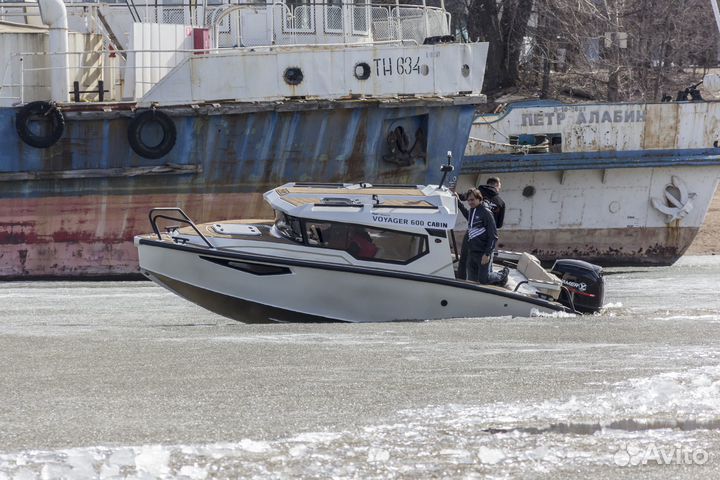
(401, 207)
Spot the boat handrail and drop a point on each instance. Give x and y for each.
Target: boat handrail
(362, 185)
(338, 202)
(154, 216)
(428, 206)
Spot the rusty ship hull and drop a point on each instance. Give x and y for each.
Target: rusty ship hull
(71, 210)
(614, 184)
(107, 111)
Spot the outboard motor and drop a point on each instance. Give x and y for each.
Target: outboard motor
(584, 286)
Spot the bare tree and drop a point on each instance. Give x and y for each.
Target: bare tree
(631, 49)
(503, 23)
(603, 49)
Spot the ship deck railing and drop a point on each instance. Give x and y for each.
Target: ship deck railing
(287, 24)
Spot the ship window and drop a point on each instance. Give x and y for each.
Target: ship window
(367, 243)
(302, 16)
(537, 143)
(334, 16)
(360, 15)
(288, 226)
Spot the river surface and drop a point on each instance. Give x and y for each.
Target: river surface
(125, 380)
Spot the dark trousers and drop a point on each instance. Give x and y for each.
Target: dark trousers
(477, 272)
(462, 265)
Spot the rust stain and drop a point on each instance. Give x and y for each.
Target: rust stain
(661, 127)
(18, 238)
(357, 163)
(674, 235)
(93, 235)
(22, 258)
(84, 236)
(28, 223)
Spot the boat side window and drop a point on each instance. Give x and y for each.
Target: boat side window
(367, 243)
(288, 226)
(326, 234)
(537, 143)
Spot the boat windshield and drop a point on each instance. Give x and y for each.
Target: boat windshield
(288, 226)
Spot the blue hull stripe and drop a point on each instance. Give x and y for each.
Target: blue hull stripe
(551, 162)
(240, 152)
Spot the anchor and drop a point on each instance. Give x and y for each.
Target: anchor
(675, 208)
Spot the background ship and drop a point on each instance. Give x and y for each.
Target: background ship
(204, 107)
(614, 184)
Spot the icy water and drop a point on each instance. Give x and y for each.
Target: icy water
(124, 380)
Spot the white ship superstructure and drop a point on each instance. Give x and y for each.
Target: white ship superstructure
(179, 54)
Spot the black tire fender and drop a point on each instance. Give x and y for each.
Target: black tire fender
(40, 109)
(145, 118)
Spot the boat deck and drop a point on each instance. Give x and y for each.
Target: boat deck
(208, 230)
(299, 201)
(385, 191)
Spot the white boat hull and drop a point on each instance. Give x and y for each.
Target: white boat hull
(304, 292)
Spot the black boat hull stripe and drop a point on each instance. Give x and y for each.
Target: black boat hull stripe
(235, 308)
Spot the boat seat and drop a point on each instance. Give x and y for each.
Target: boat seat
(538, 277)
(549, 289)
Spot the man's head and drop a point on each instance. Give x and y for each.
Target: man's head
(494, 182)
(474, 197)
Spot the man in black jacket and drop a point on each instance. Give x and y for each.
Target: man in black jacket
(495, 204)
(492, 199)
(479, 241)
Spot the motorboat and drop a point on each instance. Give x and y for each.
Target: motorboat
(350, 253)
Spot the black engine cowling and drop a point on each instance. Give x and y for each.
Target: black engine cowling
(584, 285)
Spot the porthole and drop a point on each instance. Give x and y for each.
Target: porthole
(293, 76)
